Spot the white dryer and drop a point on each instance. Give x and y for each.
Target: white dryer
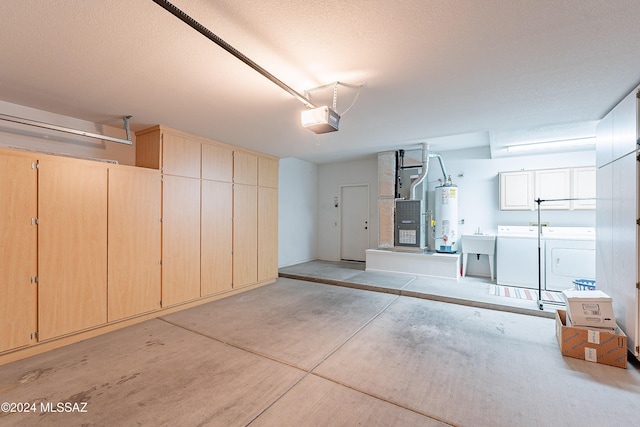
(570, 253)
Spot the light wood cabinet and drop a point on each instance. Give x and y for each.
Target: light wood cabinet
(217, 163)
(267, 172)
(171, 151)
(267, 233)
(72, 246)
(180, 239)
(134, 241)
(245, 168)
(245, 232)
(88, 247)
(18, 251)
(516, 190)
(217, 237)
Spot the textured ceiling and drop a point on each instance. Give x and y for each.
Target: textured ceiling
(452, 73)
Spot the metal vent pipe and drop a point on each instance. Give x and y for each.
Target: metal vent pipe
(444, 172)
(425, 170)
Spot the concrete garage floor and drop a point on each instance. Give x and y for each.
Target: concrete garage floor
(298, 353)
(469, 290)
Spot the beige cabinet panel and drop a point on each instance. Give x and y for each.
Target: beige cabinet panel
(267, 172)
(180, 155)
(217, 237)
(245, 168)
(18, 251)
(217, 163)
(267, 233)
(134, 242)
(72, 246)
(180, 239)
(171, 151)
(245, 235)
(149, 148)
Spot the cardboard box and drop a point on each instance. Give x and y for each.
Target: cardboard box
(593, 345)
(590, 309)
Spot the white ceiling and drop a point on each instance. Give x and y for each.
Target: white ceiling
(456, 74)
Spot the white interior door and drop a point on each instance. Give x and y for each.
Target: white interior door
(354, 229)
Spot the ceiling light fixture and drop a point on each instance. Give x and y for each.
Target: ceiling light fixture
(552, 145)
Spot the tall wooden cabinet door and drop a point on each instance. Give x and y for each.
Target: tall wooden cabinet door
(267, 233)
(180, 239)
(217, 237)
(18, 251)
(245, 232)
(134, 242)
(72, 246)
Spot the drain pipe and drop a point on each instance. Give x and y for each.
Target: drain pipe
(425, 169)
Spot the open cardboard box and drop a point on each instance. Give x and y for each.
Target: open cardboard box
(591, 344)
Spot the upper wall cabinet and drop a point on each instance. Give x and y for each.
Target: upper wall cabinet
(553, 186)
(245, 168)
(217, 163)
(171, 151)
(584, 188)
(267, 172)
(559, 189)
(516, 190)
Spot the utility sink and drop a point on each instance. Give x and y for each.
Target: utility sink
(481, 244)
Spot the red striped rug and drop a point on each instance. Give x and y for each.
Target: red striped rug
(524, 293)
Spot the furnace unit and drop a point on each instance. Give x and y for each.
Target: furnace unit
(410, 225)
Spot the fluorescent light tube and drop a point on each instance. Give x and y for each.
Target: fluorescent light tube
(551, 145)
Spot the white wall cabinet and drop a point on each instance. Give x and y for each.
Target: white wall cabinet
(516, 190)
(520, 189)
(554, 186)
(584, 188)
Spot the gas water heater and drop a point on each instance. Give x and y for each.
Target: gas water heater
(447, 236)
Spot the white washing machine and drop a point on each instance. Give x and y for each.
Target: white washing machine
(517, 256)
(570, 253)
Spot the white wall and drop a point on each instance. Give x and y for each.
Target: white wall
(297, 211)
(330, 178)
(34, 138)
